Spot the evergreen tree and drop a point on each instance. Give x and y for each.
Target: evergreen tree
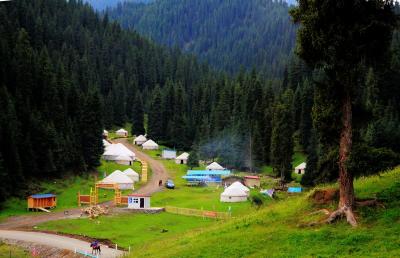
(138, 115)
(193, 160)
(155, 124)
(335, 36)
(282, 138)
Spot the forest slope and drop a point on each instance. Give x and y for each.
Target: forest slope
(227, 34)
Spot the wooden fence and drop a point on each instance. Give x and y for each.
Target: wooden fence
(198, 213)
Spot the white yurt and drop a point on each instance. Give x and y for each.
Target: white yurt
(132, 174)
(150, 145)
(215, 166)
(106, 143)
(140, 140)
(119, 153)
(240, 186)
(117, 177)
(124, 160)
(233, 195)
(105, 133)
(182, 159)
(300, 169)
(122, 132)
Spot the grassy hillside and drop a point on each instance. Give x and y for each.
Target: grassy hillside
(276, 231)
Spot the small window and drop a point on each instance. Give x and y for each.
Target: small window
(135, 200)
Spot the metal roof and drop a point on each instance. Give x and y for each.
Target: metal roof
(38, 196)
(208, 172)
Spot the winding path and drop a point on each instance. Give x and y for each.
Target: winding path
(9, 226)
(158, 169)
(60, 242)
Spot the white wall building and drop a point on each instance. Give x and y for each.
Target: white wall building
(138, 201)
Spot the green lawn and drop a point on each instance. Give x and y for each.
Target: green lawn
(276, 231)
(135, 230)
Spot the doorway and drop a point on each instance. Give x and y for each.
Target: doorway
(141, 202)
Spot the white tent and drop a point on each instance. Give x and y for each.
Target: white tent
(182, 159)
(124, 160)
(105, 133)
(300, 169)
(132, 174)
(150, 145)
(119, 153)
(117, 177)
(122, 132)
(215, 166)
(233, 195)
(106, 143)
(240, 186)
(140, 140)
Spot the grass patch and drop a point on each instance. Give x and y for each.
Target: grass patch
(135, 230)
(12, 251)
(274, 231)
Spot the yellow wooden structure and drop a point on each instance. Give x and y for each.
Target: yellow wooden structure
(93, 198)
(144, 170)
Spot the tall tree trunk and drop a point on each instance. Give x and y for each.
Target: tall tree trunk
(345, 178)
(346, 189)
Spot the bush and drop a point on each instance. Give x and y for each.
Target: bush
(257, 199)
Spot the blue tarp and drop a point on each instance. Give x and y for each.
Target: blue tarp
(38, 196)
(199, 178)
(208, 172)
(203, 178)
(294, 190)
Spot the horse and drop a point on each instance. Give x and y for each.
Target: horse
(95, 247)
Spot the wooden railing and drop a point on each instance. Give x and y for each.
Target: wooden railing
(198, 213)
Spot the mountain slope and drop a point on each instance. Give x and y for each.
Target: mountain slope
(226, 33)
(276, 230)
(103, 4)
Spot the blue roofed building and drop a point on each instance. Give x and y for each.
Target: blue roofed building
(206, 176)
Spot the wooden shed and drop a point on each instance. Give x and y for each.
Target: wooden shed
(252, 181)
(42, 201)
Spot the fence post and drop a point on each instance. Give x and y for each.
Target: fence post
(116, 247)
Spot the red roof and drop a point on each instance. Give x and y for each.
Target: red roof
(252, 177)
(139, 195)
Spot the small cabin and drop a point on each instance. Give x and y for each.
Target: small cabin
(138, 201)
(252, 181)
(42, 201)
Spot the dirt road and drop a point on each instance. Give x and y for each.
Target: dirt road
(158, 169)
(57, 241)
